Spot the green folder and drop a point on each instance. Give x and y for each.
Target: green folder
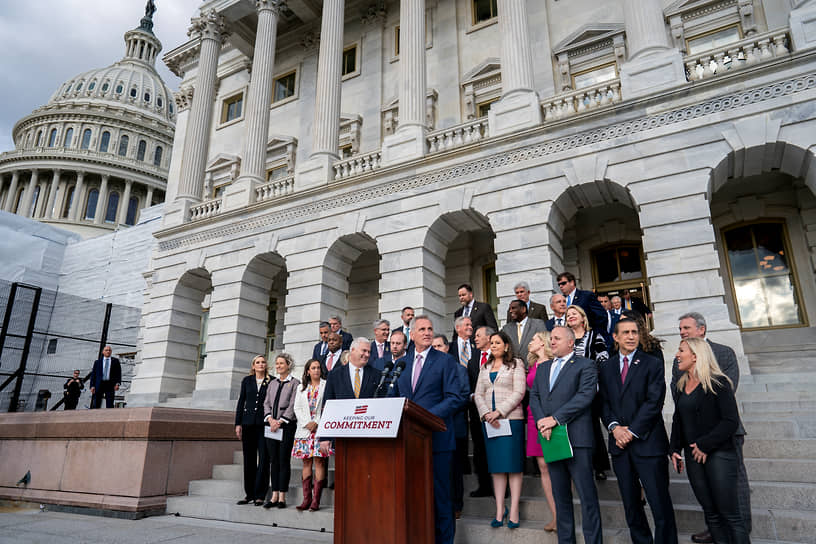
(558, 447)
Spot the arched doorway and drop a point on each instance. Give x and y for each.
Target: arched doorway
(188, 329)
(351, 287)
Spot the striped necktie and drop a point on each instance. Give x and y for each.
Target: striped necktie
(464, 354)
(357, 383)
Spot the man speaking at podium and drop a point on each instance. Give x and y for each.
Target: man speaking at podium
(431, 380)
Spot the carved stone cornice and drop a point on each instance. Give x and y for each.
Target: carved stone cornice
(272, 5)
(209, 26)
(375, 14)
(184, 97)
(310, 40)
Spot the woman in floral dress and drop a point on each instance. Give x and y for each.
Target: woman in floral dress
(308, 405)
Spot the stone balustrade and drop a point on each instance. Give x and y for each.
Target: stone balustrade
(208, 208)
(274, 189)
(358, 164)
(457, 136)
(575, 102)
(753, 50)
(89, 155)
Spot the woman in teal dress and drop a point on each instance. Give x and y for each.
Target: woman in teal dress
(498, 395)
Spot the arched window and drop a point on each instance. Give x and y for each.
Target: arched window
(69, 199)
(90, 206)
(140, 152)
(79, 86)
(147, 97)
(86, 139)
(52, 139)
(113, 207)
(34, 199)
(123, 145)
(119, 89)
(157, 156)
(133, 207)
(105, 87)
(133, 92)
(159, 102)
(39, 138)
(104, 142)
(69, 135)
(92, 85)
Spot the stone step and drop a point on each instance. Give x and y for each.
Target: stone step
(234, 489)
(759, 406)
(236, 471)
(772, 397)
(781, 470)
(782, 378)
(779, 449)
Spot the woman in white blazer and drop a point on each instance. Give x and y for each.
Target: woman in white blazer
(308, 405)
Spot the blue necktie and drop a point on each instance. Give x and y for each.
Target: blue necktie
(558, 364)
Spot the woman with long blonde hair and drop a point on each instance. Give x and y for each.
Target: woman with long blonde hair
(703, 427)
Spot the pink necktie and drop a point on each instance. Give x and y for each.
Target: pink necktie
(331, 361)
(625, 370)
(380, 350)
(417, 370)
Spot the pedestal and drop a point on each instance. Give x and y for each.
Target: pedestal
(407, 143)
(514, 112)
(650, 73)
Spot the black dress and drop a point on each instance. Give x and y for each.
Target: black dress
(593, 346)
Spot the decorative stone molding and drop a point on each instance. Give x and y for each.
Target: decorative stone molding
(272, 5)
(209, 26)
(184, 97)
(591, 46)
(375, 14)
(390, 113)
(689, 18)
(482, 84)
(351, 132)
(310, 40)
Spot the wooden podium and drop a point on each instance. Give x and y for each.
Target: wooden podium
(383, 489)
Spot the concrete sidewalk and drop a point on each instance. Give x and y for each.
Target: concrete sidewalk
(24, 526)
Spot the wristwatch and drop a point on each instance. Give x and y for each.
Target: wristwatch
(612, 427)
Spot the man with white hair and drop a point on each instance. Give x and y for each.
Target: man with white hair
(380, 348)
(534, 309)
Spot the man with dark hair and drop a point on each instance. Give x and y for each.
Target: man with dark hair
(73, 390)
(398, 348)
(585, 299)
(534, 309)
(336, 325)
(521, 328)
(478, 358)
(480, 313)
(320, 348)
(331, 358)
(611, 319)
(407, 315)
(633, 303)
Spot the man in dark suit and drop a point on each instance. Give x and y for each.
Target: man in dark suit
(558, 305)
(397, 352)
(407, 316)
(380, 349)
(478, 358)
(331, 358)
(106, 377)
(562, 394)
(585, 299)
(633, 303)
(480, 313)
(534, 309)
(521, 328)
(321, 347)
(693, 325)
(611, 319)
(337, 326)
(633, 387)
(431, 379)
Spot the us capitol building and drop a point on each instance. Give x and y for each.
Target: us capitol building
(355, 157)
(98, 151)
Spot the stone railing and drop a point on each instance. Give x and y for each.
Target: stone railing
(457, 136)
(358, 164)
(90, 155)
(274, 189)
(575, 102)
(753, 50)
(206, 209)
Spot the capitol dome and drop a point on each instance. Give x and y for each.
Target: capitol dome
(99, 150)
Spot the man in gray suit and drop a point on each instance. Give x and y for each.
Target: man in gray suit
(562, 394)
(521, 328)
(693, 325)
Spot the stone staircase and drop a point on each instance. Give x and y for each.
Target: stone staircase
(777, 410)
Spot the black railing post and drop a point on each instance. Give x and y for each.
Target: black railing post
(18, 387)
(7, 319)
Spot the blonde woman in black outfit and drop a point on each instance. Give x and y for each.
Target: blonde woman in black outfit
(249, 427)
(279, 414)
(703, 427)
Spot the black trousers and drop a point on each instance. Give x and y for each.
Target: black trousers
(713, 485)
(70, 403)
(105, 389)
(256, 462)
(461, 466)
(479, 451)
(280, 458)
(600, 458)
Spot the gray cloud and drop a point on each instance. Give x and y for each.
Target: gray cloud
(46, 42)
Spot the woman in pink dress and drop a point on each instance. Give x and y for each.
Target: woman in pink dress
(539, 352)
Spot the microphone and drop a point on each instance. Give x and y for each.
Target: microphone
(385, 372)
(400, 366)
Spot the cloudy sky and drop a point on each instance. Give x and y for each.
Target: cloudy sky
(45, 42)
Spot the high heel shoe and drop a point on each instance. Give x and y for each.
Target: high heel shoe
(511, 525)
(550, 527)
(496, 523)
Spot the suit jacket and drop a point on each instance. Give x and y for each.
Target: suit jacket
(335, 362)
(613, 319)
(460, 420)
(715, 422)
(98, 372)
(637, 403)
(588, 302)
(438, 390)
(637, 305)
(347, 339)
(379, 364)
(481, 315)
(302, 412)
(550, 323)
(249, 410)
(402, 329)
(474, 367)
(570, 400)
(507, 390)
(316, 350)
(339, 386)
(534, 310)
(373, 355)
(286, 402)
(530, 328)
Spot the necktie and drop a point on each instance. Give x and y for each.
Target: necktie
(484, 359)
(569, 300)
(323, 348)
(625, 370)
(330, 362)
(628, 304)
(518, 331)
(106, 371)
(558, 364)
(467, 310)
(380, 350)
(559, 321)
(608, 322)
(417, 370)
(357, 383)
(464, 354)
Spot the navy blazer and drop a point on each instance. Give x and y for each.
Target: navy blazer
(316, 350)
(339, 386)
(570, 400)
(439, 390)
(373, 355)
(481, 315)
(98, 372)
(250, 410)
(637, 403)
(401, 328)
(460, 421)
(588, 301)
(347, 339)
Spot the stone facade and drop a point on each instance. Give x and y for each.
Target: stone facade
(641, 143)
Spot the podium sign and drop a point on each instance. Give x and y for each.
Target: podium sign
(361, 418)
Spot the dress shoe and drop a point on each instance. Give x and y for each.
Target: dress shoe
(258, 502)
(496, 523)
(703, 537)
(481, 493)
(600, 475)
(270, 504)
(513, 525)
(458, 514)
(245, 500)
(281, 504)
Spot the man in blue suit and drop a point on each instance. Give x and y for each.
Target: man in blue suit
(431, 379)
(322, 347)
(106, 377)
(633, 388)
(585, 299)
(611, 319)
(562, 394)
(380, 349)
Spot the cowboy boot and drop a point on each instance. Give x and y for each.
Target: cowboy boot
(318, 490)
(307, 494)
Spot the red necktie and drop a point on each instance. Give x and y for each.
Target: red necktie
(330, 364)
(484, 359)
(625, 370)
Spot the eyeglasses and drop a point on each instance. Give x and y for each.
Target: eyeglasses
(562, 283)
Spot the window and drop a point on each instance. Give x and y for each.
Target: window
(142, 149)
(350, 60)
(34, 199)
(90, 205)
(157, 156)
(202, 339)
(277, 172)
(271, 326)
(123, 145)
(105, 87)
(104, 142)
(52, 139)
(594, 76)
(133, 92)
(79, 86)
(232, 108)
(18, 200)
(159, 102)
(764, 282)
(171, 108)
(86, 139)
(484, 107)
(69, 199)
(69, 135)
(489, 281)
(147, 97)
(92, 86)
(113, 207)
(484, 10)
(613, 265)
(133, 207)
(119, 89)
(396, 40)
(39, 138)
(283, 87)
(52, 346)
(713, 40)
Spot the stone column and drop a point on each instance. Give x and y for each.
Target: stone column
(75, 213)
(652, 63)
(12, 192)
(326, 129)
(101, 207)
(802, 21)
(25, 206)
(2, 183)
(408, 142)
(210, 29)
(149, 197)
(52, 196)
(519, 107)
(124, 204)
(259, 97)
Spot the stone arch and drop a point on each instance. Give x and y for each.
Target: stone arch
(262, 305)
